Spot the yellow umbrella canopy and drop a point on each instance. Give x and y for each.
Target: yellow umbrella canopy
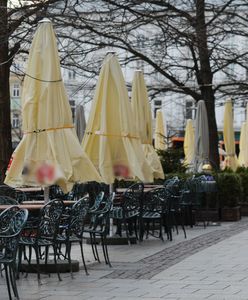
(111, 138)
(143, 117)
(49, 152)
(159, 132)
(231, 160)
(188, 145)
(243, 159)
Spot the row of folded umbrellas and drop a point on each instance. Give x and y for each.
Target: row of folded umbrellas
(117, 142)
(196, 141)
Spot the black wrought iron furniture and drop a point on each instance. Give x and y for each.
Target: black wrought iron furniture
(128, 211)
(156, 211)
(73, 228)
(15, 194)
(7, 200)
(176, 193)
(44, 236)
(12, 221)
(99, 226)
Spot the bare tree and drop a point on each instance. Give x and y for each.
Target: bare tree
(16, 24)
(191, 44)
(185, 45)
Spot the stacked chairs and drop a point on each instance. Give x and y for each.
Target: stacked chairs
(100, 225)
(6, 200)
(128, 212)
(12, 221)
(15, 194)
(156, 210)
(175, 188)
(192, 196)
(45, 235)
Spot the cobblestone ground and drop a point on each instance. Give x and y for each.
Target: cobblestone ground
(211, 263)
(156, 263)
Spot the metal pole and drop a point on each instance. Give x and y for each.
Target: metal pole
(111, 225)
(46, 194)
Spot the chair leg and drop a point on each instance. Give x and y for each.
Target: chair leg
(36, 249)
(68, 250)
(92, 246)
(7, 280)
(103, 250)
(126, 229)
(95, 245)
(82, 254)
(106, 250)
(13, 280)
(183, 227)
(135, 229)
(55, 261)
(161, 229)
(46, 258)
(19, 261)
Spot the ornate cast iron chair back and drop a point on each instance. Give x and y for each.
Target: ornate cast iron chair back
(49, 219)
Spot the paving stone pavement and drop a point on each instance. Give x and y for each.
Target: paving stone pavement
(154, 264)
(210, 264)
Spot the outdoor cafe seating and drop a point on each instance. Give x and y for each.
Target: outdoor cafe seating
(143, 210)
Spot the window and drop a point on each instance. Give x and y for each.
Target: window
(72, 75)
(141, 41)
(15, 121)
(140, 65)
(73, 107)
(189, 109)
(16, 90)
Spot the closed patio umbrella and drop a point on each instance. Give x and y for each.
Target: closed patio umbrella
(160, 143)
(231, 160)
(201, 136)
(111, 138)
(143, 118)
(243, 159)
(49, 152)
(188, 145)
(80, 123)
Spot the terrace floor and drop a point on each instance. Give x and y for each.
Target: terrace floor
(211, 263)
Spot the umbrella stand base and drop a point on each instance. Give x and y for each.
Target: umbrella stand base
(115, 240)
(63, 266)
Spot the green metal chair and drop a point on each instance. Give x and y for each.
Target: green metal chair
(12, 221)
(73, 229)
(99, 226)
(45, 234)
(128, 211)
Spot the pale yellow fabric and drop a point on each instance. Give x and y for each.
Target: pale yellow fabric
(243, 159)
(45, 107)
(231, 160)
(111, 138)
(188, 145)
(143, 118)
(160, 132)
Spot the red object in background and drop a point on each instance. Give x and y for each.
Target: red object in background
(45, 173)
(10, 162)
(121, 171)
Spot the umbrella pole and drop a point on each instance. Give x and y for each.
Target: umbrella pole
(111, 225)
(46, 194)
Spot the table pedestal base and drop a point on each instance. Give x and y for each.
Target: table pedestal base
(63, 266)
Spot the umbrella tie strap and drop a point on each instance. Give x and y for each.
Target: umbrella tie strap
(114, 135)
(49, 129)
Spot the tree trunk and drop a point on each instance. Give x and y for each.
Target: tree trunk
(205, 80)
(5, 124)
